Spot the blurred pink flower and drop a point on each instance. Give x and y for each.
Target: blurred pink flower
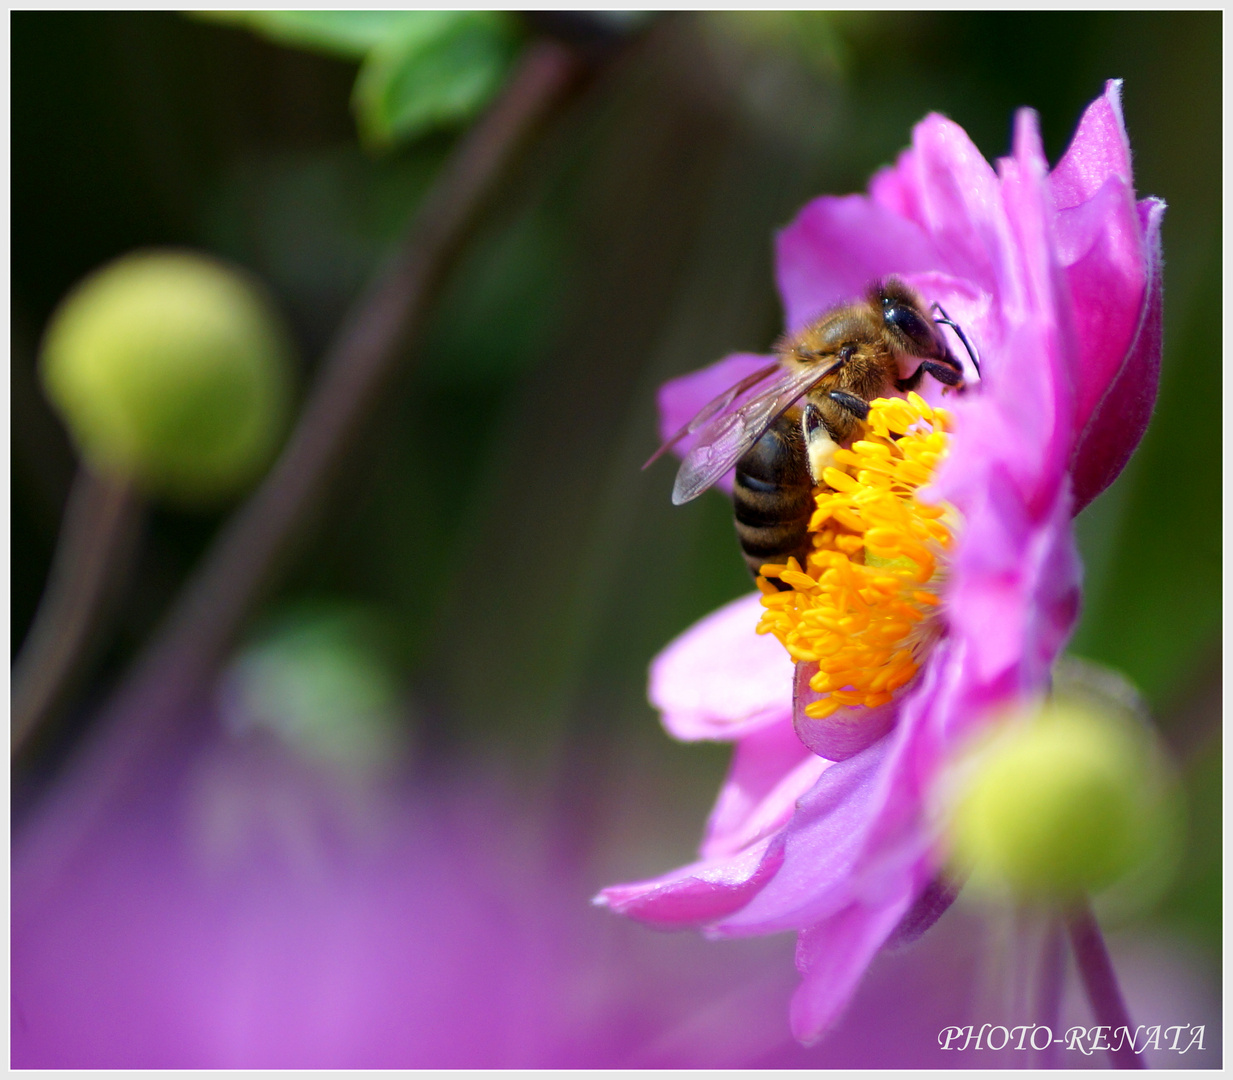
(246, 909)
(1056, 276)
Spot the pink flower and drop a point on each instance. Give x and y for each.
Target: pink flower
(249, 907)
(1056, 278)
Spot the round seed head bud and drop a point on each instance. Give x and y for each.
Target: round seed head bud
(172, 370)
(320, 681)
(1058, 803)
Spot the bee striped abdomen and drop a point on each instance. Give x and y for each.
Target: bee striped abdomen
(771, 496)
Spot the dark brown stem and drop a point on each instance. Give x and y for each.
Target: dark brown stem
(203, 622)
(93, 550)
(1096, 970)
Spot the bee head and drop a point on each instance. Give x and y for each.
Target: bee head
(905, 320)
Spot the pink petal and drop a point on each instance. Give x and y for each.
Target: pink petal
(696, 894)
(833, 955)
(1098, 151)
(1055, 576)
(861, 827)
(894, 188)
(928, 907)
(820, 849)
(720, 679)
(770, 771)
(1115, 425)
(1111, 250)
(957, 195)
(1023, 415)
(836, 247)
(1015, 589)
(1100, 244)
(846, 731)
(943, 703)
(1006, 472)
(680, 399)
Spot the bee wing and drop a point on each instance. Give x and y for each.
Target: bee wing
(717, 405)
(725, 438)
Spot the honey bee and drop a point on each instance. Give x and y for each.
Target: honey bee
(781, 426)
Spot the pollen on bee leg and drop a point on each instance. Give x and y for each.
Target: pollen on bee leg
(864, 607)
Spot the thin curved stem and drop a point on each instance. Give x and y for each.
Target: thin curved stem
(93, 550)
(1105, 996)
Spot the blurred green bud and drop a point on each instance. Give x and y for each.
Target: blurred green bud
(1062, 801)
(319, 681)
(170, 369)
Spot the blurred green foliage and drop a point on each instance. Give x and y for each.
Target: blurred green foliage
(349, 34)
(419, 70)
(1195, 903)
(494, 511)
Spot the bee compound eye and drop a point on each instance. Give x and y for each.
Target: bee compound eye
(907, 321)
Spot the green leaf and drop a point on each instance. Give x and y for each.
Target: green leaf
(436, 73)
(351, 34)
(421, 69)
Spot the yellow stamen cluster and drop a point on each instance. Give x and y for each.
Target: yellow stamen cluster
(861, 607)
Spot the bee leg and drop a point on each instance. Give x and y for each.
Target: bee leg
(856, 406)
(943, 372)
(912, 381)
(820, 441)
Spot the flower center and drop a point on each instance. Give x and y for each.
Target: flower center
(863, 607)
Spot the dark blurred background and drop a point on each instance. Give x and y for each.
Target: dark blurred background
(492, 519)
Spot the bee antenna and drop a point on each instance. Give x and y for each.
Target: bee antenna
(946, 320)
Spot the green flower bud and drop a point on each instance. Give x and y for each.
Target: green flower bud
(172, 370)
(319, 681)
(1061, 802)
